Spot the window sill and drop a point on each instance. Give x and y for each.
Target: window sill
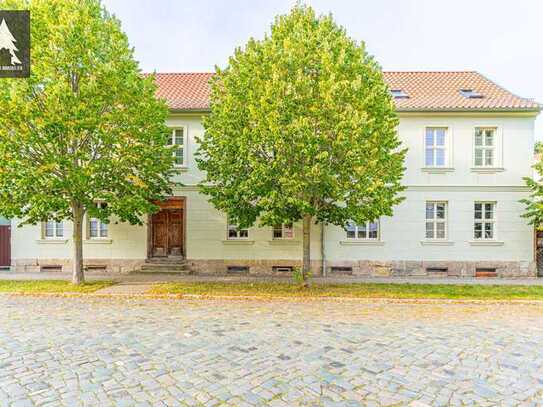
(98, 241)
(437, 170)
(361, 242)
(436, 242)
(486, 243)
(487, 170)
(284, 242)
(238, 242)
(52, 241)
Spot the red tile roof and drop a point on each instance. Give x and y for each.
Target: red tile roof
(184, 91)
(426, 91)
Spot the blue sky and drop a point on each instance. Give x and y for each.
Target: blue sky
(499, 38)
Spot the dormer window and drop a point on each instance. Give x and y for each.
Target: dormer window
(470, 94)
(398, 94)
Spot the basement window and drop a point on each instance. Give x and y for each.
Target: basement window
(485, 272)
(51, 267)
(282, 269)
(470, 94)
(237, 269)
(398, 94)
(341, 270)
(436, 270)
(96, 267)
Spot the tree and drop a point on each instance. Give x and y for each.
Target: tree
(534, 203)
(84, 129)
(302, 127)
(7, 41)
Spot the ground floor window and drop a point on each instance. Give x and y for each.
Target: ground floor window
(436, 220)
(53, 229)
(484, 220)
(367, 230)
(235, 232)
(98, 228)
(284, 231)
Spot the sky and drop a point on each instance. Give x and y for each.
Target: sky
(500, 38)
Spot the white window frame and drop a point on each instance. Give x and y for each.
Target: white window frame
(483, 220)
(231, 227)
(447, 144)
(435, 220)
(286, 231)
(172, 144)
(497, 148)
(56, 229)
(357, 228)
(100, 226)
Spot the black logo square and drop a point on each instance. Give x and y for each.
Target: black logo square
(14, 43)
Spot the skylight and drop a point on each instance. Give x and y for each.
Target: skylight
(470, 94)
(398, 94)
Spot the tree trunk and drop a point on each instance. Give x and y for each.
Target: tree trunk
(78, 212)
(306, 268)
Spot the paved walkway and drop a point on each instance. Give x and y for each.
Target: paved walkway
(158, 277)
(91, 351)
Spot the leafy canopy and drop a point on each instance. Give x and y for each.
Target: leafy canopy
(302, 123)
(534, 203)
(85, 126)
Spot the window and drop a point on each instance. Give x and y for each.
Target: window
(484, 219)
(470, 94)
(234, 232)
(436, 220)
(98, 228)
(177, 141)
(399, 94)
(435, 147)
(368, 230)
(53, 229)
(283, 231)
(484, 147)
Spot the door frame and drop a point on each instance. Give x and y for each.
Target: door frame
(174, 202)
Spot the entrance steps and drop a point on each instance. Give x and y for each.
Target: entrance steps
(166, 265)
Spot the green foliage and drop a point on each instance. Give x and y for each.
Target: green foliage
(534, 203)
(302, 124)
(299, 277)
(85, 126)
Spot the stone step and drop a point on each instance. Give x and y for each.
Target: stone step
(165, 266)
(165, 260)
(158, 271)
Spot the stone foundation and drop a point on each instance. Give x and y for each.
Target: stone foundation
(362, 268)
(504, 269)
(255, 267)
(98, 265)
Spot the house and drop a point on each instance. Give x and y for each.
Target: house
(470, 144)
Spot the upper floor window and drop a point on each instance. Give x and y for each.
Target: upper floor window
(284, 231)
(177, 140)
(98, 228)
(235, 232)
(436, 220)
(53, 229)
(367, 230)
(484, 220)
(484, 147)
(435, 145)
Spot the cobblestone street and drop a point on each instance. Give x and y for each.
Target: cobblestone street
(73, 351)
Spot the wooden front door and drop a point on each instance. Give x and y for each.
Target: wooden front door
(5, 246)
(167, 233)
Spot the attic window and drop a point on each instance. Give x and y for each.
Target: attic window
(398, 94)
(471, 94)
